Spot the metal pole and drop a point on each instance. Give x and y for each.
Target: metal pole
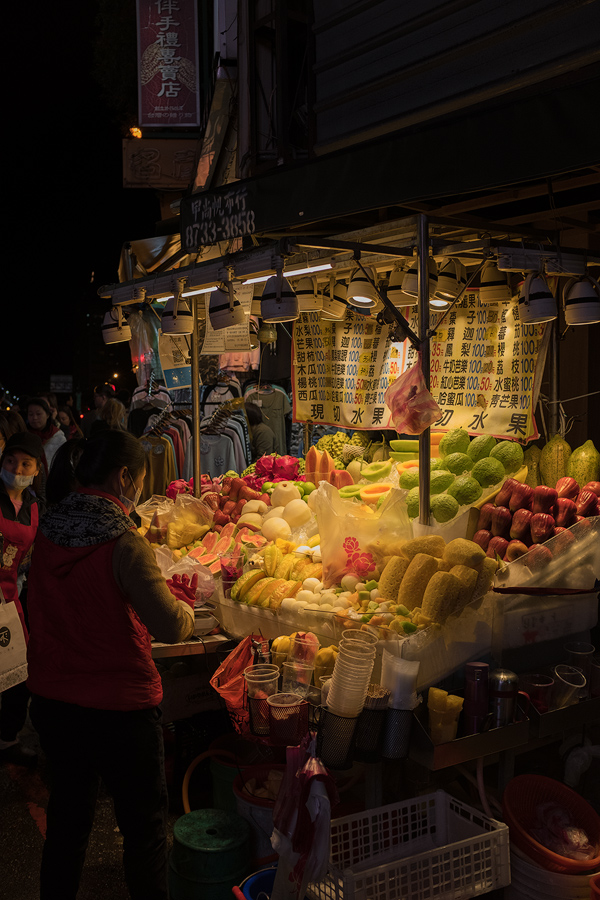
(423, 288)
(196, 398)
(554, 415)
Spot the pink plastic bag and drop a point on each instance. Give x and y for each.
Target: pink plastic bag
(411, 404)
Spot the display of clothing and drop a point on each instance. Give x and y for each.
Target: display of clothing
(150, 394)
(161, 469)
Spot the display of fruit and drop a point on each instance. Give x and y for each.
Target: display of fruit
(423, 584)
(522, 516)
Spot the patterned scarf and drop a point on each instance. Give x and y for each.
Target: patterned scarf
(83, 520)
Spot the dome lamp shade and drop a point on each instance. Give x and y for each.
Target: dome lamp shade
(536, 301)
(494, 286)
(582, 301)
(452, 278)
(309, 300)
(224, 308)
(361, 290)
(279, 302)
(335, 304)
(410, 285)
(115, 328)
(177, 316)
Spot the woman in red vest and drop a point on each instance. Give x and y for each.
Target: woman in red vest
(95, 597)
(20, 463)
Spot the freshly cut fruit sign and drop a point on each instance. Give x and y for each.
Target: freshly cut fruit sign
(485, 369)
(341, 371)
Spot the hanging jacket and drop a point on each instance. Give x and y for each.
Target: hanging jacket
(95, 596)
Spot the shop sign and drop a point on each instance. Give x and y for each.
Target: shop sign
(486, 369)
(61, 384)
(209, 218)
(168, 92)
(160, 164)
(235, 337)
(341, 370)
(175, 358)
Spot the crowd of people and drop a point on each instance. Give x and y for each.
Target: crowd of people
(90, 597)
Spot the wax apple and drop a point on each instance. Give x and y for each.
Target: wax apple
(593, 486)
(497, 547)
(544, 499)
(514, 550)
(566, 512)
(538, 558)
(504, 494)
(587, 504)
(482, 537)
(501, 522)
(567, 487)
(521, 497)
(520, 527)
(542, 527)
(485, 516)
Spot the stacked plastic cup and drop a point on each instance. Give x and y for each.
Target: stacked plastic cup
(262, 681)
(351, 677)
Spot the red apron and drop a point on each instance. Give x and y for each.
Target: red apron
(17, 540)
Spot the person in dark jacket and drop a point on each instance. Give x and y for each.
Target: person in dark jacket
(96, 595)
(262, 437)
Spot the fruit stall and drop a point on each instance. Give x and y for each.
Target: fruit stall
(427, 598)
(349, 622)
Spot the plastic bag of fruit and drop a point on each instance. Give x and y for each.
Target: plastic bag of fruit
(411, 404)
(355, 537)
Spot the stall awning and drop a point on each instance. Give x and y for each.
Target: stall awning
(509, 142)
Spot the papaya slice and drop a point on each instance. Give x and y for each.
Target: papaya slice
(370, 493)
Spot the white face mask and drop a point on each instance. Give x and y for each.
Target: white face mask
(16, 481)
(130, 505)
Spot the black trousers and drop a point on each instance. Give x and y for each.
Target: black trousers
(13, 710)
(125, 750)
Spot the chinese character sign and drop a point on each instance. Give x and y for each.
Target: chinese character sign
(168, 63)
(486, 368)
(341, 371)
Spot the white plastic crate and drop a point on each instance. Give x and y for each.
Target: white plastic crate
(429, 847)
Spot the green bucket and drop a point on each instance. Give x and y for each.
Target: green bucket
(210, 854)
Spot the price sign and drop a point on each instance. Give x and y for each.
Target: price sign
(342, 369)
(486, 368)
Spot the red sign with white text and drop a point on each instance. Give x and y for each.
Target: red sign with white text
(168, 63)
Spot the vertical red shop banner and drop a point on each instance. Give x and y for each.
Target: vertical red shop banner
(168, 91)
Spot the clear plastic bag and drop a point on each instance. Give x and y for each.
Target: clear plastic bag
(411, 404)
(354, 538)
(189, 521)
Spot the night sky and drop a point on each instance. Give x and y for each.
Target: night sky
(72, 97)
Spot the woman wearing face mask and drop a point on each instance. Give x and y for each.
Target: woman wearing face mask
(95, 597)
(19, 464)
